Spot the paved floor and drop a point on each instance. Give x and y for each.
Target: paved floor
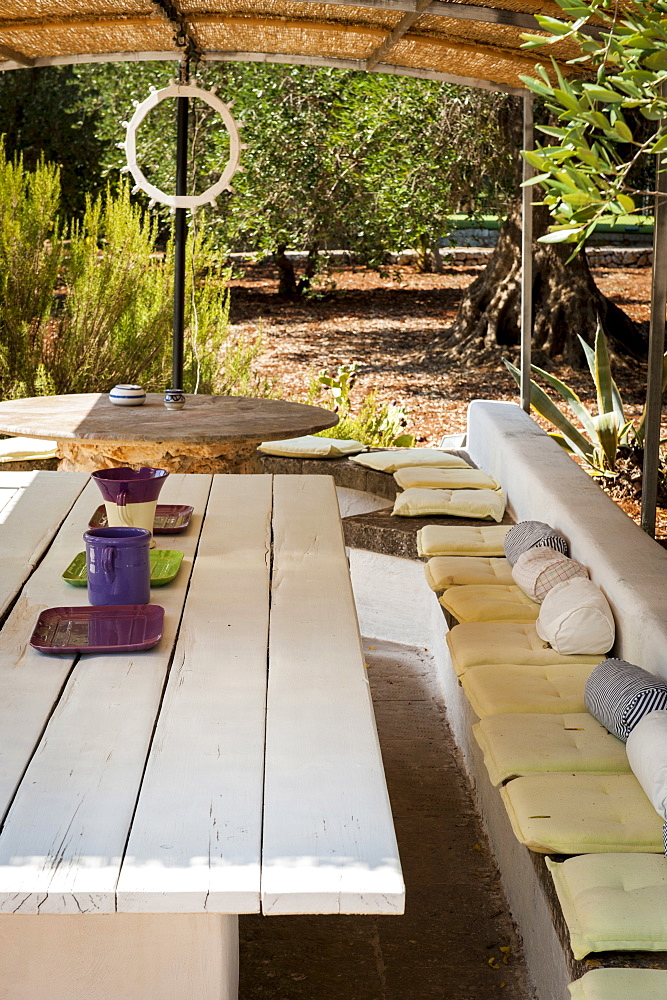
(456, 940)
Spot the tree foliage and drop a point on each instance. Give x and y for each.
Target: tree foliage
(368, 162)
(607, 119)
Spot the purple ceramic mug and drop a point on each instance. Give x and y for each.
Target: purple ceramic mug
(118, 565)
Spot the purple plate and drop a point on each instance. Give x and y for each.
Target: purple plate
(116, 628)
(170, 518)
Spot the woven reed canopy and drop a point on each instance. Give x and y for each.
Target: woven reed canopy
(471, 43)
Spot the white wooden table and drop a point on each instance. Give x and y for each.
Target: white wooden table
(148, 798)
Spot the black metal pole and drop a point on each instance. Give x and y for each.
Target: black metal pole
(180, 240)
(656, 350)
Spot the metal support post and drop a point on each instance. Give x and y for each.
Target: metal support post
(180, 241)
(656, 350)
(526, 256)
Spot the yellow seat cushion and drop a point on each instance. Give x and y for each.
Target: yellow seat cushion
(452, 571)
(489, 603)
(620, 984)
(489, 504)
(582, 814)
(613, 902)
(462, 540)
(475, 643)
(400, 458)
(444, 479)
(24, 449)
(508, 688)
(519, 744)
(311, 446)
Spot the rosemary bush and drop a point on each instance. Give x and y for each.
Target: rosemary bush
(84, 313)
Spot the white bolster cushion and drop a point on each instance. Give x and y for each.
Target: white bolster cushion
(538, 570)
(647, 754)
(575, 617)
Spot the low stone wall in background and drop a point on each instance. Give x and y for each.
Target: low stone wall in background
(612, 256)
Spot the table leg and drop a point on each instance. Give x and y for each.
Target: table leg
(174, 456)
(119, 956)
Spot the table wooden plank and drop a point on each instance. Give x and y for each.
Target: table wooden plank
(33, 505)
(64, 836)
(30, 683)
(329, 843)
(196, 838)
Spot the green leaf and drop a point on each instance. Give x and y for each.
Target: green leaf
(571, 398)
(657, 60)
(546, 407)
(597, 93)
(622, 130)
(660, 144)
(607, 432)
(603, 377)
(626, 203)
(560, 236)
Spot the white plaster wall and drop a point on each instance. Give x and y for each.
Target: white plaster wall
(392, 597)
(543, 483)
(357, 502)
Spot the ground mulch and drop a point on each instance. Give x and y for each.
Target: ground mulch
(386, 322)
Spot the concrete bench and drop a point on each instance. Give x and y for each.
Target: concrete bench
(541, 482)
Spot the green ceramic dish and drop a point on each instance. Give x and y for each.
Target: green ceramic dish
(165, 564)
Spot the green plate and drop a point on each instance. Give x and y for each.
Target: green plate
(165, 564)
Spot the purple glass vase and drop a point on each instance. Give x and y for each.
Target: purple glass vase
(118, 565)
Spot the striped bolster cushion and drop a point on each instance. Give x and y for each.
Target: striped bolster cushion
(528, 534)
(619, 694)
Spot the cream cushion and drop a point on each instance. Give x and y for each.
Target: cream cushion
(515, 745)
(26, 449)
(575, 617)
(647, 753)
(451, 503)
(453, 571)
(538, 570)
(489, 603)
(582, 814)
(310, 446)
(476, 643)
(444, 479)
(508, 688)
(620, 984)
(390, 461)
(613, 902)
(461, 540)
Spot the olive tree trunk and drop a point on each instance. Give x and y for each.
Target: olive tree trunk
(566, 302)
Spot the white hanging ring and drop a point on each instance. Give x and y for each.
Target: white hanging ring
(182, 200)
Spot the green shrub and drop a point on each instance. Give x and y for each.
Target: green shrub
(379, 425)
(83, 314)
(603, 434)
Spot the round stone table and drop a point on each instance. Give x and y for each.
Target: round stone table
(210, 434)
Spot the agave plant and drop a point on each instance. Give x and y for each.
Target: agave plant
(602, 434)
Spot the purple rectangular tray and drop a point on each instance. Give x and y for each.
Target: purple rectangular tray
(170, 518)
(115, 628)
